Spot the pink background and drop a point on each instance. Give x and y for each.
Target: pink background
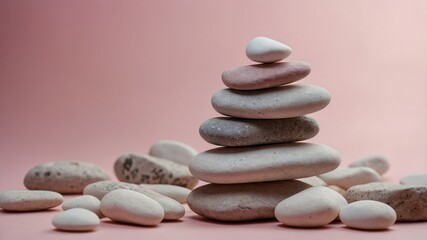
(90, 80)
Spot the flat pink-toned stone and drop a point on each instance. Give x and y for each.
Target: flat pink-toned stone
(260, 76)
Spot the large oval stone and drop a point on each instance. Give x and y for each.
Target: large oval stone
(28, 200)
(242, 202)
(64, 177)
(264, 163)
(262, 76)
(233, 132)
(281, 102)
(409, 201)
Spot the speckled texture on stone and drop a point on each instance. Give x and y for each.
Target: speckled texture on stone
(409, 201)
(264, 163)
(261, 76)
(138, 169)
(378, 163)
(348, 177)
(282, 102)
(173, 209)
(174, 151)
(64, 177)
(242, 202)
(76, 220)
(29, 200)
(234, 132)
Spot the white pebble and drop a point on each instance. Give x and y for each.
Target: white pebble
(87, 202)
(29, 200)
(266, 50)
(414, 180)
(175, 192)
(174, 151)
(368, 214)
(348, 177)
(313, 181)
(76, 219)
(378, 163)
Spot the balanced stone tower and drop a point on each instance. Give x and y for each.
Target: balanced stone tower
(260, 155)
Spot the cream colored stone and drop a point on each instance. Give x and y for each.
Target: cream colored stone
(377, 162)
(29, 200)
(87, 202)
(267, 50)
(313, 181)
(174, 151)
(337, 189)
(414, 179)
(76, 219)
(175, 192)
(348, 177)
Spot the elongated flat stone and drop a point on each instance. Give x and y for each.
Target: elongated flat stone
(260, 76)
(175, 151)
(28, 200)
(282, 102)
(264, 163)
(409, 201)
(242, 202)
(139, 169)
(233, 132)
(348, 177)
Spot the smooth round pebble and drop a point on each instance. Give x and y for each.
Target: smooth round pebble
(378, 163)
(174, 151)
(232, 132)
(177, 193)
(368, 215)
(348, 177)
(313, 207)
(266, 50)
(76, 219)
(282, 102)
(29, 200)
(128, 206)
(261, 76)
(87, 202)
(414, 180)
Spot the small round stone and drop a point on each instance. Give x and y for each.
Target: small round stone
(414, 179)
(29, 200)
(368, 215)
(87, 202)
(266, 50)
(76, 219)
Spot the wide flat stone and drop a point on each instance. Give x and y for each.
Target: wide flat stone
(282, 102)
(29, 200)
(264, 163)
(260, 76)
(409, 201)
(233, 132)
(242, 202)
(139, 169)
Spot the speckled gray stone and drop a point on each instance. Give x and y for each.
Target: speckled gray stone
(409, 201)
(348, 177)
(29, 200)
(260, 76)
(173, 209)
(139, 169)
(264, 163)
(64, 177)
(242, 202)
(233, 132)
(414, 179)
(282, 102)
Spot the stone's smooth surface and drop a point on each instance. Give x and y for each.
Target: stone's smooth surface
(87, 202)
(242, 202)
(76, 219)
(282, 102)
(139, 169)
(337, 189)
(261, 76)
(173, 209)
(368, 214)
(267, 50)
(232, 132)
(172, 150)
(414, 179)
(313, 181)
(313, 207)
(409, 201)
(264, 163)
(378, 163)
(348, 177)
(128, 206)
(64, 177)
(28, 200)
(177, 193)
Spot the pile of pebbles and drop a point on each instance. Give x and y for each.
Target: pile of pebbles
(262, 170)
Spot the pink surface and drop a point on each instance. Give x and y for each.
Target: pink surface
(90, 80)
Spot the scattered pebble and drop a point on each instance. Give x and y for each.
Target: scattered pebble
(64, 177)
(414, 179)
(267, 50)
(29, 200)
(177, 193)
(337, 189)
(313, 181)
(174, 151)
(348, 177)
(128, 206)
(76, 219)
(368, 215)
(313, 207)
(87, 202)
(409, 201)
(378, 163)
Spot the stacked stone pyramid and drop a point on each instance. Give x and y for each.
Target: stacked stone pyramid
(260, 155)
